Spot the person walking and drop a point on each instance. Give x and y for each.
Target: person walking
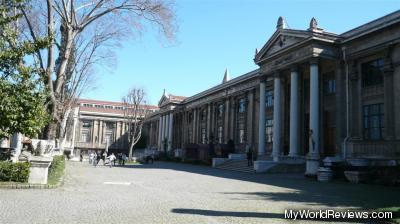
(94, 159)
(111, 158)
(98, 158)
(124, 158)
(81, 156)
(104, 157)
(249, 153)
(91, 158)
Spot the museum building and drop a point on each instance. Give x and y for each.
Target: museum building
(315, 94)
(98, 125)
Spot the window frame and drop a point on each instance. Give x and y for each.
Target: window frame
(368, 77)
(370, 117)
(269, 98)
(269, 126)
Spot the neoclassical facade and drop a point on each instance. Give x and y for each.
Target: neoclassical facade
(98, 124)
(315, 94)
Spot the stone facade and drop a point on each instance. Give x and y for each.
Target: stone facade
(97, 122)
(315, 94)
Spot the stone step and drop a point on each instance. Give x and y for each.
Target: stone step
(250, 170)
(236, 165)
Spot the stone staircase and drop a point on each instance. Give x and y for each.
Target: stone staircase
(239, 165)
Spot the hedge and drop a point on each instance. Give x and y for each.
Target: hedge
(16, 172)
(56, 169)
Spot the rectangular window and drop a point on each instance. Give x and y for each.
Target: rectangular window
(269, 98)
(268, 130)
(220, 135)
(373, 121)
(110, 129)
(203, 115)
(85, 136)
(329, 86)
(190, 135)
(203, 136)
(220, 110)
(372, 73)
(109, 137)
(242, 106)
(86, 124)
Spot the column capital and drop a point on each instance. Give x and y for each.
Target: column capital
(263, 78)
(276, 75)
(314, 61)
(294, 68)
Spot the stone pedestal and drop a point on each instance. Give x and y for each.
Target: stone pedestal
(218, 161)
(3, 143)
(39, 169)
(178, 153)
(312, 165)
(17, 145)
(325, 174)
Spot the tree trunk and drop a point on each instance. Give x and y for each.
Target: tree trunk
(63, 130)
(131, 150)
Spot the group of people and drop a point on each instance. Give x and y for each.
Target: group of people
(95, 157)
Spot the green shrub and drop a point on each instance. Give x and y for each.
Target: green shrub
(67, 153)
(16, 172)
(56, 169)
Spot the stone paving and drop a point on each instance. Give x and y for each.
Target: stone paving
(181, 193)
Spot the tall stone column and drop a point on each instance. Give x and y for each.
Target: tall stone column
(94, 132)
(277, 119)
(194, 126)
(249, 122)
(74, 130)
(183, 129)
(118, 133)
(226, 121)
(103, 133)
(294, 114)
(313, 155)
(212, 122)
(208, 121)
(160, 133)
(388, 81)
(165, 136)
(261, 122)
(232, 125)
(170, 128)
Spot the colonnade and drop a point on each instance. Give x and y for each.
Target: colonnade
(165, 130)
(295, 131)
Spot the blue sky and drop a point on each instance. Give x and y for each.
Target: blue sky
(218, 34)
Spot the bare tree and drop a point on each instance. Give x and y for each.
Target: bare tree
(83, 32)
(135, 113)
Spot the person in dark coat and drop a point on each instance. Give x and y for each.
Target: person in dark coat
(249, 154)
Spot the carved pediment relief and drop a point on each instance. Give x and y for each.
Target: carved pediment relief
(281, 40)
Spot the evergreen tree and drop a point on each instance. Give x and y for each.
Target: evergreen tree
(22, 93)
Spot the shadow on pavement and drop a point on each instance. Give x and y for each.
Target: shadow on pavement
(306, 191)
(266, 215)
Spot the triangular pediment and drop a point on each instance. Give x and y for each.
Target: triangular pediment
(280, 40)
(164, 100)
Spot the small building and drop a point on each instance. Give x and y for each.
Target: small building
(98, 124)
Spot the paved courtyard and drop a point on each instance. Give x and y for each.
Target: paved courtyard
(181, 193)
